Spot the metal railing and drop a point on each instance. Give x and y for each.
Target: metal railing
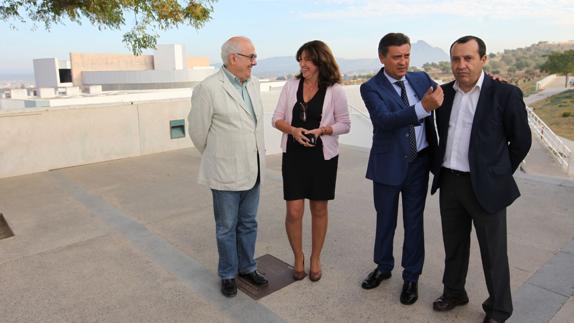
(559, 150)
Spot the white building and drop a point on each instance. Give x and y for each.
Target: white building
(81, 79)
(168, 67)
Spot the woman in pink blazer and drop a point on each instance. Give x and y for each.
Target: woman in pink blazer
(312, 112)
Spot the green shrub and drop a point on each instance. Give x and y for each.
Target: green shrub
(566, 114)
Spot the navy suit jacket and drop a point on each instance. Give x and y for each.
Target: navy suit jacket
(391, 119)
(499, 140)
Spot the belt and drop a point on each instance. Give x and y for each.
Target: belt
(454, 172)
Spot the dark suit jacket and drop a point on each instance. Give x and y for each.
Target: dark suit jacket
(391, 119)
(500, 139)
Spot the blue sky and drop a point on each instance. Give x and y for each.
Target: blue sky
(352, 28)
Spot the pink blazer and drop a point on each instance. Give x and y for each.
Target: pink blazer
(335, 114)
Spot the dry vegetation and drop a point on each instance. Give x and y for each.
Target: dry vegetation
(558, 113)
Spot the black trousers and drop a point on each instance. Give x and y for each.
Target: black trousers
(459, 209)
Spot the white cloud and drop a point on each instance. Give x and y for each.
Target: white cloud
(557, 11)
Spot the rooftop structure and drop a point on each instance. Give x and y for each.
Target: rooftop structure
(168, 67)
(87, 75)
(92, 79)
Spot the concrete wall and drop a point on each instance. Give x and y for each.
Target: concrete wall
(196, 61)
(36, 140)
(105, 78)
(18, 93)
(107, 62)
(169, 57)
(154, 118)
(43, 139)
(87, 100)
(46, 72)
(541, 85)
(40, 139)
(361, 134)
(11, 104)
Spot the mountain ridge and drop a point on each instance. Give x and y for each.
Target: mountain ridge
(421, 53)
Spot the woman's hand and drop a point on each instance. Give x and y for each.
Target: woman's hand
(497, 78)
(318, 132)
(299, 136)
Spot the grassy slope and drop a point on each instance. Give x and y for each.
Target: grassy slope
(551, 110)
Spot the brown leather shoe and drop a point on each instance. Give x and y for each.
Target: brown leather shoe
(298, 275)
(446, 303)
(314, 276)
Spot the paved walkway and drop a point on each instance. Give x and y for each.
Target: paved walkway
(539, 161)
(132, 240)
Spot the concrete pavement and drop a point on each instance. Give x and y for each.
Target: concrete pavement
(133, 240)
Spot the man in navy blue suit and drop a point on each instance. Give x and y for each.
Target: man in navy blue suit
(484, 136)
(400, 105)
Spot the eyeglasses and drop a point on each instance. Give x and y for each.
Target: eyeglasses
(251, 57)
(303, 112)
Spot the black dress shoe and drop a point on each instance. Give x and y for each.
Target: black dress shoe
(446, 303)
(375, 278)
(228, 287)
(255, 278)
(488, 319)
(410, 293)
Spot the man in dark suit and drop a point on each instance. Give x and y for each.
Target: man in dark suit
(400, 105)
(484, 136)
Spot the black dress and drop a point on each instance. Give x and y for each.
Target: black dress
(306, 173)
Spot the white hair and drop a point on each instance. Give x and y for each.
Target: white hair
(231, 46)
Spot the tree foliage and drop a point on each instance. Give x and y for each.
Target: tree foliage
(560, 63)
(146, 17)
(441, 67)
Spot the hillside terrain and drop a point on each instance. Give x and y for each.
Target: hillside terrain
(557, 112)
(519, 66)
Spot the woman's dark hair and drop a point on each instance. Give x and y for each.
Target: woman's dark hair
(320, 54)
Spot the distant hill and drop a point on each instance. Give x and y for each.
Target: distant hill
(527, 59)
(421, 53)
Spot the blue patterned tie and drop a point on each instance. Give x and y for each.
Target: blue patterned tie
(412, 154)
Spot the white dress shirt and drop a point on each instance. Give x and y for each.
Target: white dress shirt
(420, 111)
(460, 126)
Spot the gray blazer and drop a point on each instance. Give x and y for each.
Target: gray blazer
(222, 128)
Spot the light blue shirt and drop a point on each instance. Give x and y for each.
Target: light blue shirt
(242, 89)
(420, 111)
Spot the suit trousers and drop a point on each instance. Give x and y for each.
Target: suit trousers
(460, 209)
(413, 191)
